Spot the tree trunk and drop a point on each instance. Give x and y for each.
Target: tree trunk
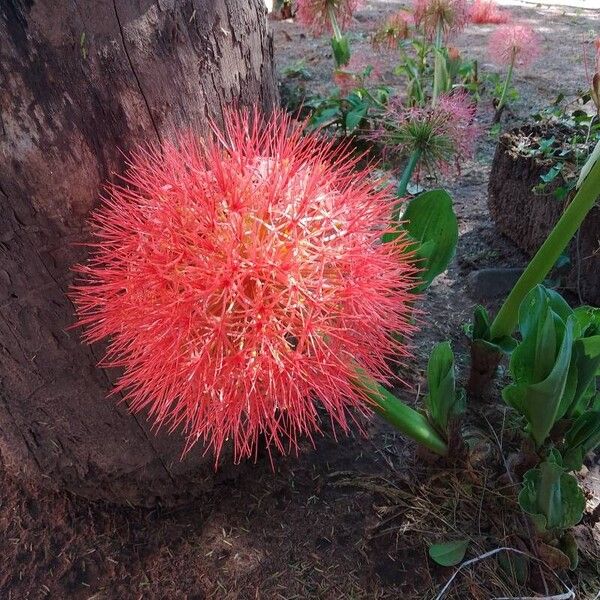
(527, 217)
(81, 84)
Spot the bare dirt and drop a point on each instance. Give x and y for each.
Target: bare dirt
(343, 520)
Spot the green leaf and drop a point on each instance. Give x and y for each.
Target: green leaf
(326, 116)
(404, 418)
(581, 438)
(540, 365)
(355, 116)
(585, 360)
(430, 221)
(535, 302)
(551, 496)
(341, 51)
(448, 554)
(443, 402)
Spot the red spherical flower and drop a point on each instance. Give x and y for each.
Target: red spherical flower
(514, 43)
(241, 281)
(448, 16)
(316, 14)
(444, 135)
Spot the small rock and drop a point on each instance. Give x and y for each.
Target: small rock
(492, 284)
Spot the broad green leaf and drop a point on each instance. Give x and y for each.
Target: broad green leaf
(540, 365)
(585, 360)
(448, 554)
(535, 302)
(325, 117)
(551, 496)
(442, 400)
(355, 116)
(581, 438)
(430, 221)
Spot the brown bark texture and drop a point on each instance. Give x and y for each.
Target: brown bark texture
(527, 217)
(82, 82)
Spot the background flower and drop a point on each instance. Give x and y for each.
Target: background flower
(450, 15)
(394, 30)
(315, 13)
(445, 135)
(487, 12)
(239, 282)
(515, 40)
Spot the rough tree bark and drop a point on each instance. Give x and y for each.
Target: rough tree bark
(81, 83)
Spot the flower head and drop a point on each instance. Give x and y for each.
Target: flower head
(487, 12)
(444, 135)
(514, 43)
(448, 16)
(240, 281)
(393, 31)
(316, 14)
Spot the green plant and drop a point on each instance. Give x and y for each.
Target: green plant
(345, 114)
(555, 366)
(552, 497)
(444, 403)
(554, 370)
(484, 358)
(539, 366)
(401, 416)
(415, 65)
(497, 87)
(565, 135)
(431, 70)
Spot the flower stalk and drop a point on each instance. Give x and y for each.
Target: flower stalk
(438, 66)
(409, 169)
(337, 32)
(507, 82)
(339, 43)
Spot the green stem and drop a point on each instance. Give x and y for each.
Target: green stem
(437, 65)
(400, 415)
(507, 82)
(540, 265)
(409, 169)
(337, 32)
